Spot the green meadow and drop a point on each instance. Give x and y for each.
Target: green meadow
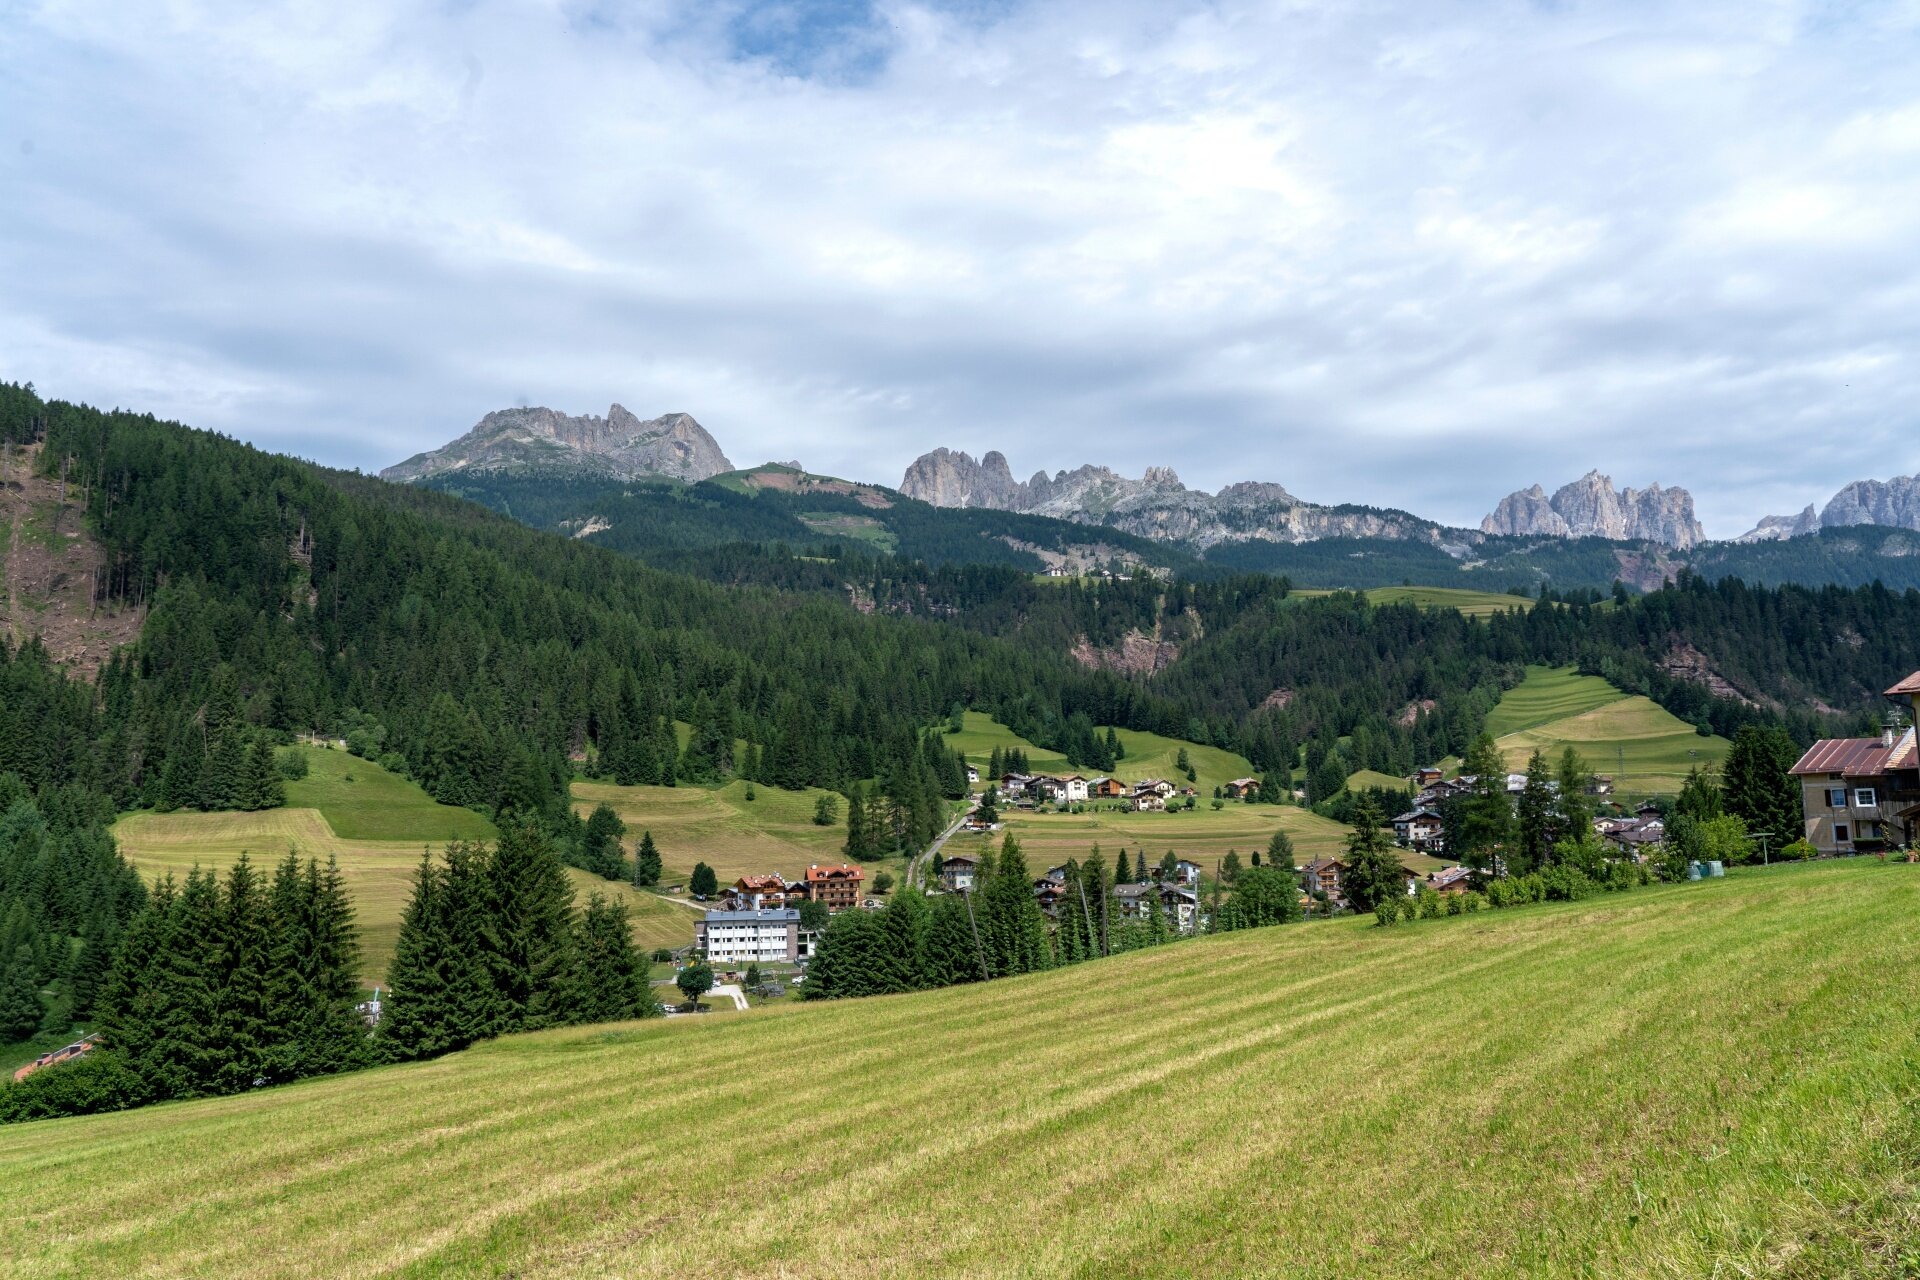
(1147, 755)
(377, 824)
(1643, 746)
(1716, 1079)
(1475, 604)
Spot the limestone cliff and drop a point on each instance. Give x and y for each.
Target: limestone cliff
(1157, 505)
(1591, 507)
(619, 444)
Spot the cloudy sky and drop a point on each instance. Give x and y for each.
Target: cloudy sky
(1415, 254)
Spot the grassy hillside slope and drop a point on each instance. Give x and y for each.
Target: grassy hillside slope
(1148, 755)
(1646, 748)
(1707, 1079)
(376, 823)
(1475, 604)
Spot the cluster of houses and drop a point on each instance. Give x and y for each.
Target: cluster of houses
(1178, 894)
(1420, 828)
(1029, 791)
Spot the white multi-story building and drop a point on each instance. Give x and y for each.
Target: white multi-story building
(744, 937)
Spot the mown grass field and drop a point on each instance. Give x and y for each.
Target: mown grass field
(379, 874)
(1548, 694)
(1644, 747)
(1364, 778)
(362, 801)
(1707, 1080)
(388, 822)
(1475, 604)
(719, 826)
(1148, 755)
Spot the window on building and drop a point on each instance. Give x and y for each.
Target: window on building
(1840, 835)
(1836, 797)
(1865, 798)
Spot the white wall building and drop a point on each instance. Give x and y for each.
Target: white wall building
(743, 937)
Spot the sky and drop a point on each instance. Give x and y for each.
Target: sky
(1410, 254)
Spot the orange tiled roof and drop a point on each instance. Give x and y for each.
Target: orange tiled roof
(840, 871)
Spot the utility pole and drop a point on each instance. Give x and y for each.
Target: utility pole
(980, 952)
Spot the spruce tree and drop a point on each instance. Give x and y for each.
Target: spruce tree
(950, 955)
(601, 853)
(21, 1008)
(902, 957)
(1758, 788)
(530, 929)
(1140, 867)
(859, 845)
(1534, 819)
(610, 983)
(703, 883)
(238, 1035)
(646, 862)
(1280, 851)
(1373, 873)
(176, 1006)
(418, 1018)
(262, 786)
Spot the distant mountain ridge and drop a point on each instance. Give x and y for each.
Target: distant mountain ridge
(1591, 507)
(1157, 505)
(1892, 504)
(620, 445)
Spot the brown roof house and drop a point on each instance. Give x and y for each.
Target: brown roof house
(1862, 795)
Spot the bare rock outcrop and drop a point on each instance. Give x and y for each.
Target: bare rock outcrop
(1157, 505)
(1893, 503)
(620, 444)
(1591, 507)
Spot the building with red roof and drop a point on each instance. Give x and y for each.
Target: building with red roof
(1862, 795)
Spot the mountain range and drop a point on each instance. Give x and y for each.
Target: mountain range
(1157, 506)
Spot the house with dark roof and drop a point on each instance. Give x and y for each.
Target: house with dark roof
(1418, 828)
(1862, 795)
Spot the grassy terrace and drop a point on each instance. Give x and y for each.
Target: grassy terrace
(1710, 1079)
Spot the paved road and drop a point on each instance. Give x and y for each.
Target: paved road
(933, 850)
(728, 990)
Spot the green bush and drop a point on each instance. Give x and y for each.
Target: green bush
(100, 1081)
(1387, 913)
(393, 762)
(1799, 850)
(1427, 902)
(1456, 904)
(293, 764)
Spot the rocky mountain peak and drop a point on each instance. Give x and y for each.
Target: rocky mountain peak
(1592, 507)
(621, 444)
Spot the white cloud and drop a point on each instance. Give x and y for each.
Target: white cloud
(1410, 254)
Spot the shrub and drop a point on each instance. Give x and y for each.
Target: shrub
(1799, 850)
(1427, 902)
(292, 764)
(1456, 904)
(1475, 900)
(662, 955)
(393, 762)
(100, 1081)
(1387, 913)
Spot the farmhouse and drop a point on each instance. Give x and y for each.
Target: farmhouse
(1428, 775)
(1451, 880)
(957, 872)
(837, 887)
(1159, 786)
(1014, 784)
(973, 773)
(1322, 875)
(1145, 800)
(1106, 788)
(1858, 795)
(1076, 788)
(746, 937)
(1418, 828)
(1241, 788)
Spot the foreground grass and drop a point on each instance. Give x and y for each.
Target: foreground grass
(1715, 1079)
